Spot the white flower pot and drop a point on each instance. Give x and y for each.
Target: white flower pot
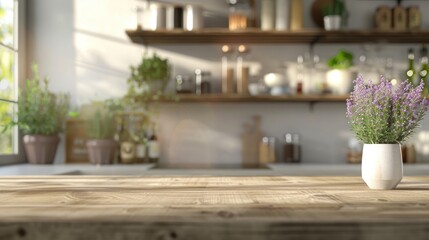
(339, 81)
(382, 165)
(332, 22)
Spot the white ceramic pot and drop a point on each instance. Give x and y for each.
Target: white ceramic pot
(332, 22)
(382, 165)
(339, 81)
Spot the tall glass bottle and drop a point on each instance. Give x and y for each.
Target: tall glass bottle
(424, 69)
(411, 71)
(127, 145)
(153, 145)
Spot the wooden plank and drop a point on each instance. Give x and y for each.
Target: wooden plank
(256, 36)
(92, 207)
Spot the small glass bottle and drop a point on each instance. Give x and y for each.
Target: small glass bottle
(153, 145)
(424, 70)
(292, 148)
(300, 75)
(288, 148)
(141, 146)
(411, 71)
(127, 147)
(296, 148)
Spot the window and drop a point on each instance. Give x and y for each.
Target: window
(9, 73)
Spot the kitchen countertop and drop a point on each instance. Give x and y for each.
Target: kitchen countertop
(301, 169)
(252, 207)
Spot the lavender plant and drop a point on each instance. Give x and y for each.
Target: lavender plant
(380, 114)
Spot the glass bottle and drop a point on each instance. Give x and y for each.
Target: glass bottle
(288, 148)
(296, 148)
(411, 72)
(153, 145)
(424, 69)
(141, 146)
(127, 145)
(117, 138)
(300, 75)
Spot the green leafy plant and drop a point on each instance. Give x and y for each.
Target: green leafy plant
(150, 76)
(342, 60)
(40, 112)
(335, 8)
(100, 126)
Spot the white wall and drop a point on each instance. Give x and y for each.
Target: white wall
(82, 46)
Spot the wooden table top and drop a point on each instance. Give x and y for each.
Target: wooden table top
(272, 199)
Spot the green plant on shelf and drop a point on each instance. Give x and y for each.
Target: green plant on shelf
(149, 79)
(334, 8)
(342, 60)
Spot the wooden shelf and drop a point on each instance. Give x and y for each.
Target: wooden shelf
(235, 98)
(256, 36)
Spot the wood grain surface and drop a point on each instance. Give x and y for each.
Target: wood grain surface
(98, 207)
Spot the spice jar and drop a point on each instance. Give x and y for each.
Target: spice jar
(267, 150)
(292, 148)
(184, 84)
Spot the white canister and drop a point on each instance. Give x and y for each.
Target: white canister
(192, 17)
(157, 16)
(267, 14)
(332, 22)
(282, 14)
(174, 17)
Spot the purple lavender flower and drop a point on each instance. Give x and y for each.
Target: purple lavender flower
(379, 114)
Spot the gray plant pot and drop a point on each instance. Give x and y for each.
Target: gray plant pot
(41, 149)
(101, 151)
(332, 22)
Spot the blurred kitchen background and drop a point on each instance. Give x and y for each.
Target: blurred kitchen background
(83, 47)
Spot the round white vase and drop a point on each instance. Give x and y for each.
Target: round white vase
(382, 165)
(339, 81)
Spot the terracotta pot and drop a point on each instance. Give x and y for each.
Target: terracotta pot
(101, 151)
(382, 165)
(41, 149)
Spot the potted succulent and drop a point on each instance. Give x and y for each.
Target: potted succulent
(149, 79)
(383, 117)
(41, 117)
(100, 129)
(333, 14)
(339, 77)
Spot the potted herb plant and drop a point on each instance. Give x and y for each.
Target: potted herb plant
(100, 129)
(383, 117)
(333, 14)
(149, 78)
(41, 117)
(339, 77)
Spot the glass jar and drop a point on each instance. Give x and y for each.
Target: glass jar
(184, 84)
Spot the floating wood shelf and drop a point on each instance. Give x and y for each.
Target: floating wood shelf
(221, 98)
(256, 36)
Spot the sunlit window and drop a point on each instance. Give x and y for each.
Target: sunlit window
(8, 75)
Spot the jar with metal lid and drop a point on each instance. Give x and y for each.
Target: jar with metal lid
(292, 148)
(267, 150)
(184, 84)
